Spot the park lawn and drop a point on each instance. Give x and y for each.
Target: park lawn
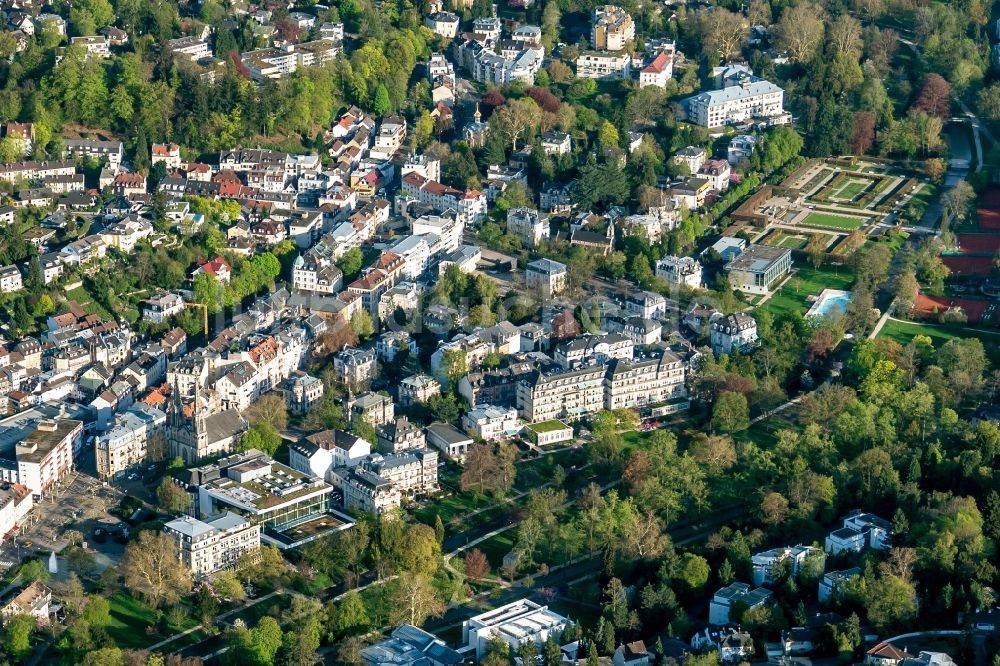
(130, 619)
(831, 221)
(807, 281)
(538, 471)
(904, 331)
(497, 546)
(852, 189)
(894, 240)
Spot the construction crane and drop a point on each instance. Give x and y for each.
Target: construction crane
(204, 314)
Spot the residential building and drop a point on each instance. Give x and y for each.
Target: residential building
(740, 148)
(860, 530)
(449, 440)
(491, 423)
(168, 153)
(410, 646)
(410, 471)
(400, 435)
(556, 143)
(375, 408)
(302, 392)
(16, 501)
(111, 151)
(717, 173)
(320, 452)
(692, 156)
(647, 304)
(732, 333)
(162, 307)
(33, 600)
(736, 104)
(886, 654)
(758, 268)
(586, 349)
(213, 544)
(546, 433)
(684, 271)
(136, 436)
(650, 380)
(529, 225)
(611, 28)
(770, 564)
(546, 276)
(632, 654)
(355, 366)
(417, 388)
(604, 66)
(657, 72)
(44, 456)
(544, 395)
(723, 601)
(832, 581)
(10, 279)
(470, 205)
(443, 23)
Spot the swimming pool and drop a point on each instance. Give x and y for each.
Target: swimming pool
(829, 302)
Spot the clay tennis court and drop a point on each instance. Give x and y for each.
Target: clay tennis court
(979, 243)
(964, 265)
(928, 306)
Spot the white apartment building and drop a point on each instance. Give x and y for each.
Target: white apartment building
(213, 544)
(389, 139)
(515, 623)
(491, 423)
(561, 394)
(126, 443)
(860, 530)
(527, 224)
(767, 565)
(161, 308)
(44, 456)
(10, 279)
(611, 28)
(490, 67)
(604, 66)
(546, 275)
(692, 156)
(644, 381)
(657, 72)
(736, 104)
(735, 332)
(723, 601)
(168, 153)
(685, 271)
(443, 23)
(321, 452)
(112, 151)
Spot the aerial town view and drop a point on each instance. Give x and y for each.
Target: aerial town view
(500, 332)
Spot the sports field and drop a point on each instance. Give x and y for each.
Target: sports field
(831, 221)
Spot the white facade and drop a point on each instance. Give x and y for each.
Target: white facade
(515, 623)
(684, 271)
(490, 423)
(213, 544)
(604, 66)
(546, 275)
(736, 104)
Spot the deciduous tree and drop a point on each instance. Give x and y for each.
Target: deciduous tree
(151, 566)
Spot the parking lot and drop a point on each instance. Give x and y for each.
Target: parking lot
(79, 502)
